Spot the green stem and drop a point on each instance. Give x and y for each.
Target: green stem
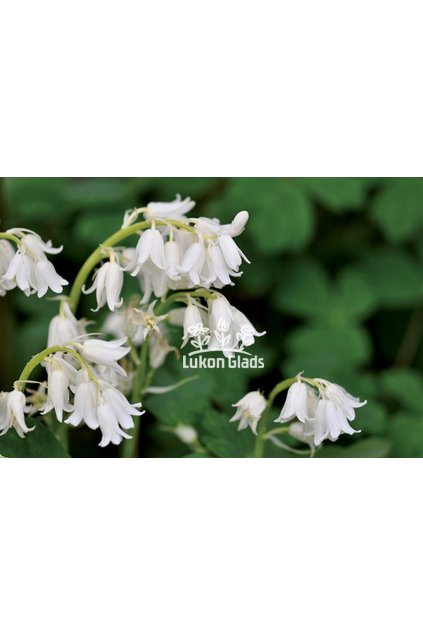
(261, 432)
(12, 238)
(181, 296)
(129, 448)
(98, 254)
(39, 358)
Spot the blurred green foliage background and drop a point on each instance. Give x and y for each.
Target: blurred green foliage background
(336, 280)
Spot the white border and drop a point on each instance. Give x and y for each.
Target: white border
(274, 88)
(211, 546)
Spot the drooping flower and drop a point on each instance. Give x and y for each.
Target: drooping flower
(104, 352)
(193, 323)
(323, 409)
(300, 403)
(334, 409)
(230, 329)
(150, 247)
(64, 327)
(249, 410)
(59, 374)
(175, 210)
(12, 412)
(214, 257)
(158, 349)
(304, 432)
(7, 253)
(29, 268)
(107, 284)
(100, 405)
(114, 415)
(85, 401)
(186, 434)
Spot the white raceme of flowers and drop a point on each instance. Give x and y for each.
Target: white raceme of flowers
(85, 381)
(201, 253)
(249, 410)
(28, 268)
(82, 392)
(324, 409)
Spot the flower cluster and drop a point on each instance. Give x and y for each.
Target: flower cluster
(218, 325)
(215, 326)
(325, 410)
(28, 268)
(320, 410)
(199, 252)
(174, 253)
(88, 378)
(141, 325)
(83, 381)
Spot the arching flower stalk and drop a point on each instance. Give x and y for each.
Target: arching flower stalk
(316, 409)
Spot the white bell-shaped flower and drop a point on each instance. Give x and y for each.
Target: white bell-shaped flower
(107, 284)
(158, 349)
(193, 323)
(229, 327)
(114, 414)
(59, 373)
(334, 410)
(64, 327)
(249, 410)
(104, 352)
(12, 413)
(85, 403)
(150, 247)
(175, 210)
(7, 253)
(29, 268)
(300, 403)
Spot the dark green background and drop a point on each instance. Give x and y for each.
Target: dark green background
(336, 280)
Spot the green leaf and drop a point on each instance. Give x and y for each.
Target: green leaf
(325, 351)
(30, 199)
(404, 385)
(372, 418)
(353, 296)
(100, 194)
(40, 443)
(281, 216)
(406, 432)
(306, 291)
(366, 448)
(187, 404)
(395, 277)
(337, 194)
(398, 209)
(303, 290)
(90, 230)
(222, 438)
(194, 187)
